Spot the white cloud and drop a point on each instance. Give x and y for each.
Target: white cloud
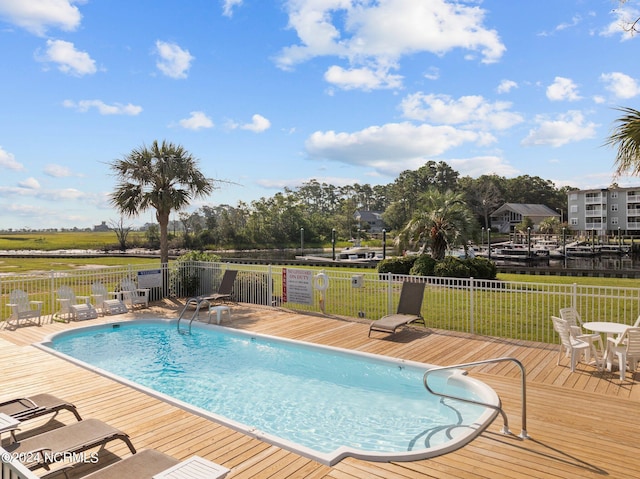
(8, 161)
(433, 73)
(623, 18)
(30, 183)
(258, 124)
(174, 61)
(562, 89)
(69, 59)
(104, 109)
(197, 121)
(391, 148)
(37, 16)
(482, 165)
(506, 86)
(229, 5)
(566, 128)
(57, 171)
(378, 34)
(471, 111)
(621, 85)
(361, 78)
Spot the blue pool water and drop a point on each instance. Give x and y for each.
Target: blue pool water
(318, 401)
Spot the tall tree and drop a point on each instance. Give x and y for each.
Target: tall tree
(164, 177)
(626, 137)
(442, 222)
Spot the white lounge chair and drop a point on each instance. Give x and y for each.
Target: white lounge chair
(132, 295)
(74, 307)
(570, 345)
(22, 309)
(107, 301)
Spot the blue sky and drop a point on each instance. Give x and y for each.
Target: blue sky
(270, 94)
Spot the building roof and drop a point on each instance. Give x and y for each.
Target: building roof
(366, 215)
(527, 209)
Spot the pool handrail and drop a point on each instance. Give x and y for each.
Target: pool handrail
(505, 428)
(198, 301)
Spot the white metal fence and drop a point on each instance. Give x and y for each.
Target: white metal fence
(514, 310)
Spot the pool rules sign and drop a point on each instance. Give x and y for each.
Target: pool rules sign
(297, 286)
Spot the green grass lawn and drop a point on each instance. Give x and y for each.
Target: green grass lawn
(44, 241)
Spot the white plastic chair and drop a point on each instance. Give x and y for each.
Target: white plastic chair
(627, 348)
(572, 317)
(572, 346)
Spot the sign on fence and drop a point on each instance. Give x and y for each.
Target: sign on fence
(297, 286)
(150, 278)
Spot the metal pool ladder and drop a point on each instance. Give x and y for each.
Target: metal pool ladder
(505, 427)
(198, 301)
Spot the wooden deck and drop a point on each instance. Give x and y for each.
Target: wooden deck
(584, 424)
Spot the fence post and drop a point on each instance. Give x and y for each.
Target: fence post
(52, 296)
(471, 306)
(574, 296)
(389, 293)
(270, 285)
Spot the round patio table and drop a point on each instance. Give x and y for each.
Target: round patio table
(609, 328)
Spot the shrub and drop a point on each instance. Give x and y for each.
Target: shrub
(396, 264)
(482, 268)
(423, 266)
(188, 281)
(451, 267)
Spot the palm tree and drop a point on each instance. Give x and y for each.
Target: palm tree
(443, 221)
(164, 177)
(626, 137)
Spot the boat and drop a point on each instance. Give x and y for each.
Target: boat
(359, 254)
(614, 249)
(582, 249)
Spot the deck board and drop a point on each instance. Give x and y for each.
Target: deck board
(581, 424)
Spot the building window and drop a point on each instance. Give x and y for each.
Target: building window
(574, 221)
(614, 207)
(573, 197)
(573, 209)
(614, 194)
(614, 220)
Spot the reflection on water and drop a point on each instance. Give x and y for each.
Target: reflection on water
(601, 262)
(625, 262)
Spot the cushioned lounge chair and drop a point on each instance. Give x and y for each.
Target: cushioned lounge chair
(149, 463)
(225, 290)
(408, 311)
(38, 405)
(74, 438)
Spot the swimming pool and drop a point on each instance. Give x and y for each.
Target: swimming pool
(321, 402)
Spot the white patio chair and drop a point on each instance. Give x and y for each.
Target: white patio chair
(22, 309)
(627, 349)
(74, 307)
(132, 295)
(569, 344)
(572, 317)
(107, 302)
